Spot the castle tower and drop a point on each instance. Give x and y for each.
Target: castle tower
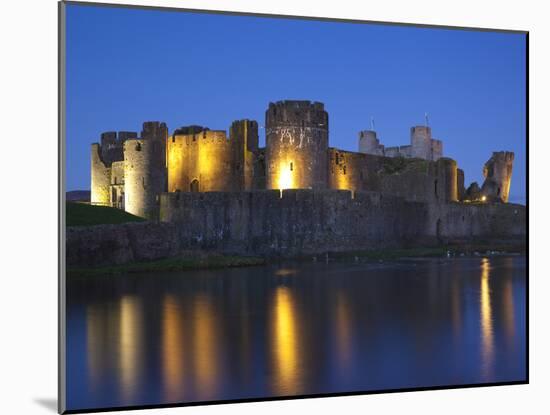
(145, 170)
(200, 160)
(296, 145)
(498, 176)
(421, 138)
(369, 144)
(243, 135)
(447, 180)
(102, 158)
(101, 178)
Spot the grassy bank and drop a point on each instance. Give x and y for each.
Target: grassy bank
(171, 264)
(82, 214)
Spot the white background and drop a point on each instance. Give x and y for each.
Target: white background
(28, 167)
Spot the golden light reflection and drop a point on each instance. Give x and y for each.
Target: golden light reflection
(205, 348)
(285, 176)
(172, 348)
(97, 353)
(487, 340)
(508, 311)
(130, 344)
(343, 333)
(285, 343)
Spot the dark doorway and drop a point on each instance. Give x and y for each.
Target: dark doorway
(194, 187)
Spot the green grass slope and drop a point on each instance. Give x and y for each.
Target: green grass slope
(81, 214)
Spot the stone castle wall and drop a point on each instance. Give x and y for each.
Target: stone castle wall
(348, 170)
(292, 223)
(296, 145)
(301, 222)
(201, 161)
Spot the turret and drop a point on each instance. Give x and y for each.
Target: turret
(243, 135)
(369, 143)
(421, 137)
(103, 155)
(145, 170)
(498, 176)
(296, 145)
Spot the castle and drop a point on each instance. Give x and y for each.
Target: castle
(131, 171)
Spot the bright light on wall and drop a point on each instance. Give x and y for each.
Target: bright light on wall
(285, 177)
(483, 198)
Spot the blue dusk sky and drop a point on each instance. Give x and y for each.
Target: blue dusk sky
(126, 66)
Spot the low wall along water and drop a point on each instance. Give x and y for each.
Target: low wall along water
(294, 222)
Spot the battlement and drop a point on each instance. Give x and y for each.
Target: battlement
(189, 130)
(369, 143)
(199, 138)
(421, 130)
(504, 156)
(154, 130)
(297, 114)
(116, 139)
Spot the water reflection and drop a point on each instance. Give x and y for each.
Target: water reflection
(487, 346)
(241, 333)
(130, 347)
(173, 348)
(206, 351)
(508, 307)
(284, 345)
(343, 333)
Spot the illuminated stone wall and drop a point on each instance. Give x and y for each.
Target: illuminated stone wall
(103, 155)
(296, 145)
(353, 171)
(498, 176)
(101, 178)
(201, 161)
(205, 160)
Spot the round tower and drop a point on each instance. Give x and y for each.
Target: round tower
(446, 181)
(369, 143)
(296, 145)
(101, 178)
(421, 142)
(144, 176)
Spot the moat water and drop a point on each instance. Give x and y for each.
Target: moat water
(295, 329)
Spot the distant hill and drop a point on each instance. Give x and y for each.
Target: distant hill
(78, 196)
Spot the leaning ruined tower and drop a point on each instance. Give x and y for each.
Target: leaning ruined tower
(296, 145)
(145, 170)
(498, 176)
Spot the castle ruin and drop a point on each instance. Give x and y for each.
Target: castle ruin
(131, 171)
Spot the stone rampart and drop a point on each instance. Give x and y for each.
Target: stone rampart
(296, 222)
